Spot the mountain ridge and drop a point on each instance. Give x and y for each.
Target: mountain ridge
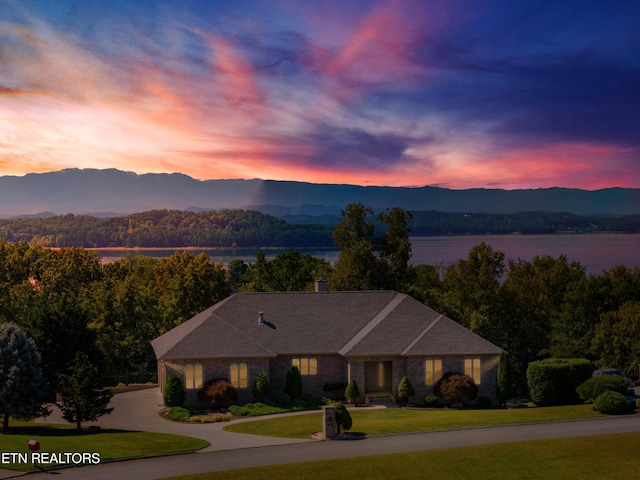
(85, 191)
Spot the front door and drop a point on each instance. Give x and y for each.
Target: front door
(377, 377)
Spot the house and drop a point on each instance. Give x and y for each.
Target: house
(375, 337)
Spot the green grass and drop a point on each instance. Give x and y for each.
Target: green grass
(585, 458)
(396, 420)
(111, 444)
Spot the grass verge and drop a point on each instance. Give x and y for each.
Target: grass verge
(396, 420)
(110, 444)
(587, 458)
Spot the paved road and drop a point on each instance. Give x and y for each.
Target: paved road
(139, 410)
(154, 468)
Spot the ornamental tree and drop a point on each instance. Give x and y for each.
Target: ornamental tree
(261, 387)
(23, 388)
(405, 390)
(352, 392)
(174, 394)
(81, 401)
(454, 387)
(293, 382)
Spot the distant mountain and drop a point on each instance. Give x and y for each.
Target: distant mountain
(90, 191)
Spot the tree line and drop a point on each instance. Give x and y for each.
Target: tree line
(67, 301)
(249, 228)
(166, 228)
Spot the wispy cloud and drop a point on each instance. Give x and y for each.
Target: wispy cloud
(395, 92)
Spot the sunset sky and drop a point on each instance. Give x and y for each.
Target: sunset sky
(458, 94)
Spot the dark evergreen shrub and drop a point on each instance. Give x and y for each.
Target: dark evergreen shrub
(174, 394)
(218, 392)
(454, 387)
(595, 386)
(282, 399)
(293, 383)
(261, 388)
(343, 417)
(611, 402)
(431, 400)
(506, 385)
(300, 404)
(405, 390)
(352, 392)
(554, 381)
(483, 402)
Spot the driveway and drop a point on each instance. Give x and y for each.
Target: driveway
(138, 410)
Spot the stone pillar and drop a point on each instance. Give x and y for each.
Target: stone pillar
(328, 421)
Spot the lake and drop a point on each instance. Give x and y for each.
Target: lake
(597, 252)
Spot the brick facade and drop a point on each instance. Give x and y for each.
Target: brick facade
(333, 369)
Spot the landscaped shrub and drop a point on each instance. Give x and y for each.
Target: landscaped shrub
(335, 388)
(299, 404)
(254, 410)
(282, 399)
(454, 387)
(595, 386)
(218, 392)
(352, 392)
(174, 394)
(431, 400)
(506, 385)
(554, 381)
(293, 383)
(261, 387)
(179, 414)
(343, 417)
(405, 390)
(483, 402)
(611, 402)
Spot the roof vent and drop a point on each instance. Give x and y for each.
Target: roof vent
(262, 321)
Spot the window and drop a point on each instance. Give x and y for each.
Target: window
(433, 371)
(307, 366)
(193, 376)
(239, 375)
(472, 368)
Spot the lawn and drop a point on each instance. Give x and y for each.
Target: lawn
(396, 420)
(587, 458)
(110, 444)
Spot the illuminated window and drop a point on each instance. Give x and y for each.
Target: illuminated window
(239, 375)
(433, 371)
(472, 368)
(193, 376)
(307, 366)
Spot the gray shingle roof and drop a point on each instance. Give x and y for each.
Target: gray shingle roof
(349, 323)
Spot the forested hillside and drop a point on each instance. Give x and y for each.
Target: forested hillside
(249, 228)
(166, 228)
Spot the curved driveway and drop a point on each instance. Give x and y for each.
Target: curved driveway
(233, 454)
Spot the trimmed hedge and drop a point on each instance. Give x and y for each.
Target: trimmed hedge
(179, 414)
(611, 402)
(554, 381)
(594, 387)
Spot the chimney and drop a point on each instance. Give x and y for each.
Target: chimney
(321, 285)
(260, 318)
